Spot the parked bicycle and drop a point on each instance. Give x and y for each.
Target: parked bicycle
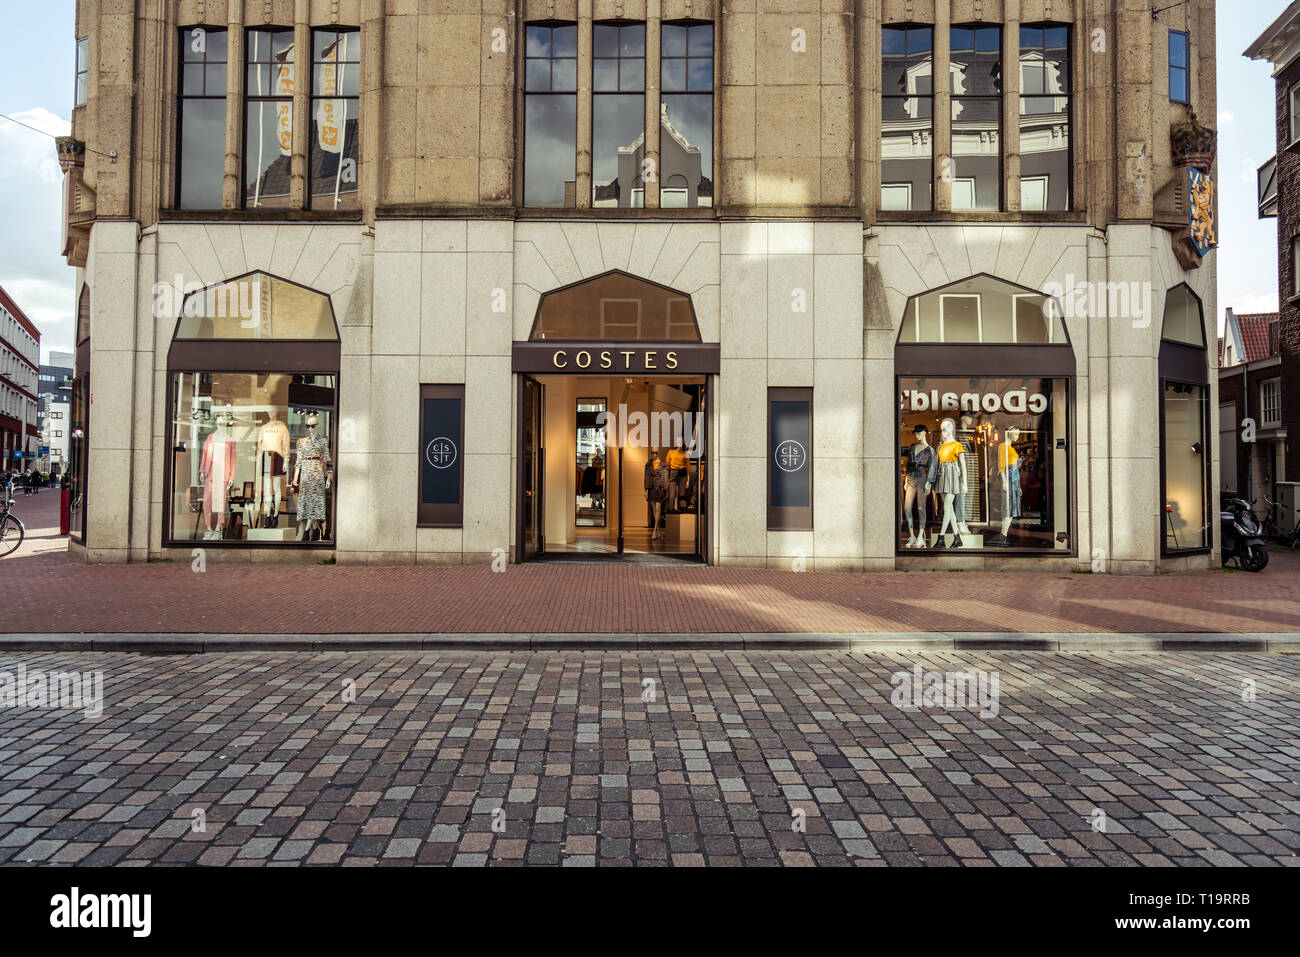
(11, 527)
(1273, 529)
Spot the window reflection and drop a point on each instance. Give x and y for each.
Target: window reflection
(335, 119)
(907, 119)
(268, 117)
(550, 114)
(976, 71)
(617, 113)
(1045, 167)
(201, 163)
(686, 115)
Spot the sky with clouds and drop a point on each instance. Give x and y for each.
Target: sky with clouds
(37, 48)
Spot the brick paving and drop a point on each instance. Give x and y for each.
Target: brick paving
(48, 592)
(576, 769)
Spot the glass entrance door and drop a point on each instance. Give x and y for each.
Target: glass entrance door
(532, 459)
(701, 447)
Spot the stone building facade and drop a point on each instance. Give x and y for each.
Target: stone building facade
(351, 281)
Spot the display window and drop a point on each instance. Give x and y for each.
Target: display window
(983, 463)
(984, 372)
(253, 457)
(1185, 460)
(253, 414)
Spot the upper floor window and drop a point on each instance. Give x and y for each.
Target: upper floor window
(550, 114)
(201, 150)
(1295, 266)
(976, 71)
(618, 114)
(686, 115)
(1045, 167)
(268, 117)
(907, 118)
(1179, 53)
(1294, 111)
(623, 160)
(83, 67)
(335, 119)
(1270, 403)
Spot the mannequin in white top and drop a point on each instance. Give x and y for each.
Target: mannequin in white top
(272, 461)
(952, 480)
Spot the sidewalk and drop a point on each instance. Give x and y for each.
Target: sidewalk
(48, 593)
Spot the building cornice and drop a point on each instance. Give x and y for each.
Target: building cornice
(1280, 42)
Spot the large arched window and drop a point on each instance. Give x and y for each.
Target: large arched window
(1185, 457)
(253, 402)
(615, 307)
(984, 370)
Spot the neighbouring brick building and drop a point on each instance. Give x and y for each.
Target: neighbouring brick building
(1250, 388)
(1279, 196)
(909, 283)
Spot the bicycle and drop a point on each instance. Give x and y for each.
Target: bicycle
(1273, 531)
(11, 527)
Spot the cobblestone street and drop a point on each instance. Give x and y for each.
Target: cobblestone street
(793, 758)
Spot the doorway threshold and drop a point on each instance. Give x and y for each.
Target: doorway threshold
(613, 558)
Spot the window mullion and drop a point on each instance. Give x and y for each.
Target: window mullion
(1009, 139)
(941, 122)
(582, 169)
(302, 66)
(232, 171)
(653, 60)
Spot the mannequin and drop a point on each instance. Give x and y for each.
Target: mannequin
(272, 462)
(656, 492)
(217, 473)
(1009, 479)
(960, 502)
(952, 479)
(678, 466)
(918, 477)
(311, 479)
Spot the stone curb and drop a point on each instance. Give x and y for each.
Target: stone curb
(1282, 643)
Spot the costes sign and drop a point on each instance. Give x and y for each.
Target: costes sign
(610, 358)
(1014, 401)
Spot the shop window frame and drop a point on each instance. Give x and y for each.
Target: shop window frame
(321, 357)
(1035, 360)
(1184, 364)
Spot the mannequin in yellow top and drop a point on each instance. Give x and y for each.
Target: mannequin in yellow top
(952, 480)
(1009, 474)
(678, 472)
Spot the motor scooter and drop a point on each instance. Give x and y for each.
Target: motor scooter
(1242, 534)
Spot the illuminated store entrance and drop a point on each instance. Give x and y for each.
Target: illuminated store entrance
(614, 397)
(614, 467)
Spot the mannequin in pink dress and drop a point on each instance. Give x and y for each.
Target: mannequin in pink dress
(217, 473)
